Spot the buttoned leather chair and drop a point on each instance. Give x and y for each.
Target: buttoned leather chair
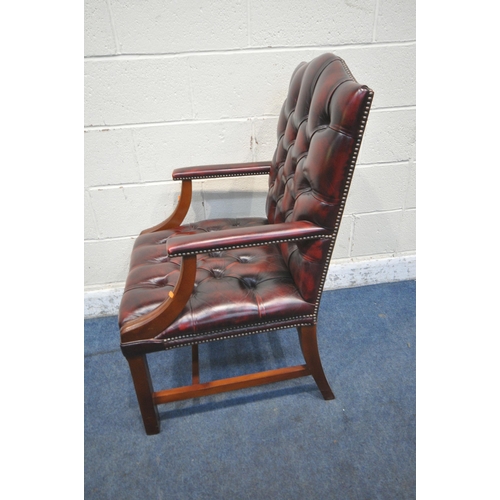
(223, 278)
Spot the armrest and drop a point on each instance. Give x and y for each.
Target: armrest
(151, 324)
(240, 237)
(180, 211)
(186, 174)
(229, 170)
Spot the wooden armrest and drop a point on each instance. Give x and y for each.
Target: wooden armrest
(153, 323)
(241, 237)
(175, 220)
(228, 170)
(186, 175)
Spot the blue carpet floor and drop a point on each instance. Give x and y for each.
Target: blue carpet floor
(280, 441)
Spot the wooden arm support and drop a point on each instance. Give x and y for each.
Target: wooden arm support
(187, 174)
(180, 211)
(153, 323)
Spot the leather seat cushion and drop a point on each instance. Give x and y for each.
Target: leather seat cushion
(234, 289)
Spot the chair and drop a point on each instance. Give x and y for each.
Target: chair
(223, 278)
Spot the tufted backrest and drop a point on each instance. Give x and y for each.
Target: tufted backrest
(319, 134)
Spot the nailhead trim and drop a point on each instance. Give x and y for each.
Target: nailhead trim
(246, 334)
(216, 176)
(292, 318)
(350, 172)
(233, 247)
(347, 70)
(323, 276)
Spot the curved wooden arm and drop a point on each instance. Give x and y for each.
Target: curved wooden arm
(187, 174)
(180, 211)
(151, 324)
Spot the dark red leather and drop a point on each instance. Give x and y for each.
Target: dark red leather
(230, 170)
(319, 130)
(242, 237)
(241, 289)
(235, 291)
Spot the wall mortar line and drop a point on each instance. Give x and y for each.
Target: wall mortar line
(246, 51)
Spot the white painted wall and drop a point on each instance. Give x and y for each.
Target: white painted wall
(176, 83)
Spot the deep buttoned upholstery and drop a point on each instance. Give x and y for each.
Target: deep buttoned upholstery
(318, 141)
(234, 290)
(222, 278)
(250, 289)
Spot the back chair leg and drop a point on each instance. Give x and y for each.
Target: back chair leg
(144, 389)
(309, 344)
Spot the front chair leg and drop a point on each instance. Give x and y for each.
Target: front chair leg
(309, 344)
(144, 389)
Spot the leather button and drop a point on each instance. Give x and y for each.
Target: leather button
(217, 273)
(249, 282)
(215, 255)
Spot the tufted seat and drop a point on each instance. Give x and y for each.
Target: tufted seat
(222, 278)
(233, 289)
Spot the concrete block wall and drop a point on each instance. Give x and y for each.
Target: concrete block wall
(171, 84)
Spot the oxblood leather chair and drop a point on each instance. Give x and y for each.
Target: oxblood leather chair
(224, 278)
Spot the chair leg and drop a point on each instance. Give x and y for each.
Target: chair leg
(309, 344)
(144, 390)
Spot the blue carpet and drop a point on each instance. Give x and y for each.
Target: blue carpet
(280, 441)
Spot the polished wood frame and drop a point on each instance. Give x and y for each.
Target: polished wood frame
(183, 204)
(149, 399)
